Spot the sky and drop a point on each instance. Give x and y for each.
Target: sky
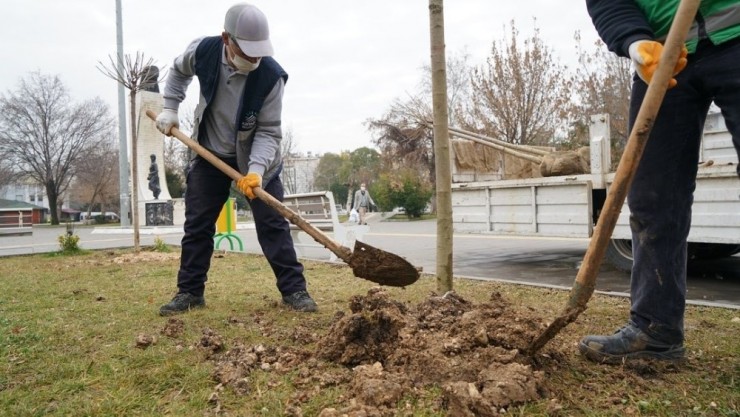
(347, 60)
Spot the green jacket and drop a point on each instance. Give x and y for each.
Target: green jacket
(718, 19)
(621, 22)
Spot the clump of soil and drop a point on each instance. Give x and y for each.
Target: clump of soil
(174, 328)
(211, 342)
(143, 340)
(471, 351)
(370, 333)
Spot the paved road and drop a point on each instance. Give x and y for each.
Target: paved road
(533, 261)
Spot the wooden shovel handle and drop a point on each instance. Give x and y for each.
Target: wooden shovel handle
(585, 281)
(636, 143)
(341, 251)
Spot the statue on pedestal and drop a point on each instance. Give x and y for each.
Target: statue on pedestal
(149, 79)
(153, 177)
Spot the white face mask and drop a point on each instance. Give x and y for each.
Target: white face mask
(242, 65)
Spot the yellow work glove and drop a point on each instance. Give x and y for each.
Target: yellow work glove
(646, 55)
(249, 181)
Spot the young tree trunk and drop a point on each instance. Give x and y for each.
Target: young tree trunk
(134, 172)
(441, 146)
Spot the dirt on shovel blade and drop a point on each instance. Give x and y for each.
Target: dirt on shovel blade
(381, 267)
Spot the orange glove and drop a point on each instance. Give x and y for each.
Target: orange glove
(249, 181)
(646, 55)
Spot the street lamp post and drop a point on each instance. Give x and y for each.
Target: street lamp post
(122, 140)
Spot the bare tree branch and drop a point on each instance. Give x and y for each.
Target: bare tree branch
(522, 94)
(603, 82)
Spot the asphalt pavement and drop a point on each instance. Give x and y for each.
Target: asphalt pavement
(548, 262)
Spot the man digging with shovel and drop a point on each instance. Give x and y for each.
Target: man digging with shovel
(237, 119)
(661, 194)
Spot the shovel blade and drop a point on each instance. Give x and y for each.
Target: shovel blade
(381, 267)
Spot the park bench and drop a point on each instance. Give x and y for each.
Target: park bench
(318, 208)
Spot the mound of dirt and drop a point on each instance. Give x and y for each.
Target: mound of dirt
(471, 351)
(389, 350)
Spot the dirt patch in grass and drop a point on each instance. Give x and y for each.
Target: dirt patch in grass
(144, 256)
(389, 351)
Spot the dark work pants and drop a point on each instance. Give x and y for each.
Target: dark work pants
(661, 194)
(207, 191)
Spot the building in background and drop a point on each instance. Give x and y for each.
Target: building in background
(28, 191)
(298, 172)
(16, 216)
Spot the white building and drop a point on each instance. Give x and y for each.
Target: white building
(298, 173)
(28, 191)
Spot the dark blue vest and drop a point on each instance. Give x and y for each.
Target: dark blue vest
(259, 82)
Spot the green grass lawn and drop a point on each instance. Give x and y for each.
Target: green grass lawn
(69, 325)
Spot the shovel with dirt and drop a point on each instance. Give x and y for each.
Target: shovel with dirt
(366, 261)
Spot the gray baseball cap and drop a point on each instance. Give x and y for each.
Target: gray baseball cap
(248, 26)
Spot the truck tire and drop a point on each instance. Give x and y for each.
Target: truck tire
(707, 251)
(619, 254)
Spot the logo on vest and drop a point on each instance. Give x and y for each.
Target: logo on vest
(249, 121)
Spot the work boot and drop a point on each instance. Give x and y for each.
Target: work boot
(300, 301)
(182, 302)
(629, 342)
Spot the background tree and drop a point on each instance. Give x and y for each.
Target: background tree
(327, 176)
(45, 134)
(177, 156)
(459, 88)
(363, 166)
(175, 182)
(288, 147)
(96, 179)
(7, 172)
(382, 192)
(404, 133)
(342, 173)
(522, 94)
(328, 169)
(403, 189)
(602, 82)
(405, 138)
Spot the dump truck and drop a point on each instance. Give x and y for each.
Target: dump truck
(568, 206)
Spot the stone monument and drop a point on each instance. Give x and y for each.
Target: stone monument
(155, 203)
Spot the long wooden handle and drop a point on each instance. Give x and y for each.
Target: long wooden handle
(585, 282)
(636, 143)
(341, 251)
